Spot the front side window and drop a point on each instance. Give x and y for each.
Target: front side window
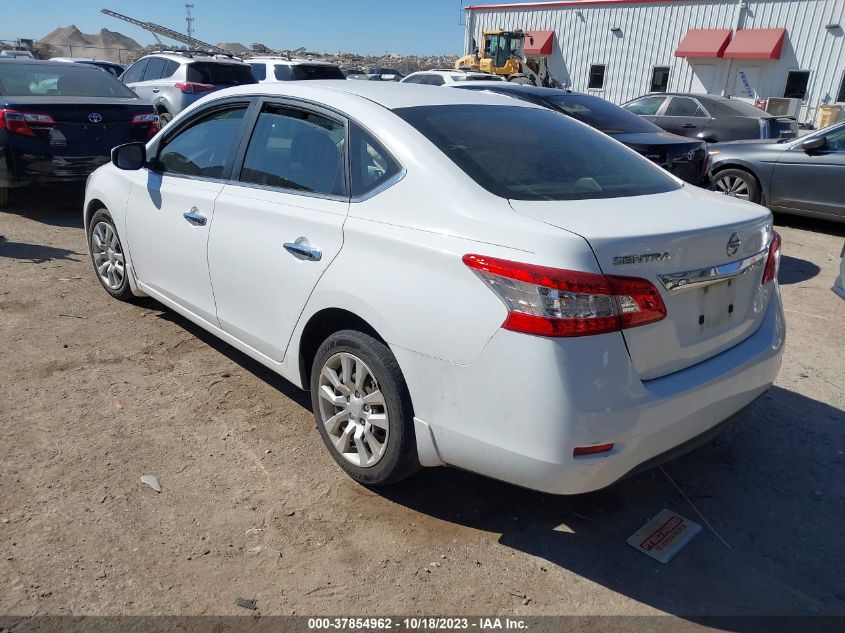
(415, 79)
(296, 149)
(371, 164)
(683, 106)
(596, 81)
(647, 106)
(535, 154)
(836, 140)
(259, 71)
(134, 73)
(796, 84)
(659, 79)
(204, 148)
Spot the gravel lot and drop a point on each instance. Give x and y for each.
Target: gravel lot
(95, 393)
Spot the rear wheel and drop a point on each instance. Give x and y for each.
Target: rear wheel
(737, 183)
(107, 255)
(164, 118)
(363, 409)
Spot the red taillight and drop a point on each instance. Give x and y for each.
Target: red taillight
(773, 260)
(554, 302)
(191, 87)
(148, 119)
(580, 451)
(21, 123)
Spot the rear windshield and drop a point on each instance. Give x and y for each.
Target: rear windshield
(535, 154)
(66, 80)
(220, 74)
(601, 114)
(301, 72)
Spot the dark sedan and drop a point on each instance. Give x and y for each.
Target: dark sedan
(710, 118)
(683, 157)
(59, 121)
(804, 176)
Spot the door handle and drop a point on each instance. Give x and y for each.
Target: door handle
(301, 248)
(193, 216)
(156, 90)
(689, 126)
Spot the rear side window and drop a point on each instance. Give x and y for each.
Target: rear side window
(220, 74)
(204, 148)
(371, 164)
(170, 68)
(296, 149)
(304, 71)
(535, 154)
(259, 71)
(22, 79)
(646, 106)
(683, 106)
(434, 80)
(154, 68)
(135, 72)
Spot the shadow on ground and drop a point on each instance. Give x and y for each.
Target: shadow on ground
(816, 225)
(33, 253)
(56, 205)
(794, 271)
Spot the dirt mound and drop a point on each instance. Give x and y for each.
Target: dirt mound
(69, 41)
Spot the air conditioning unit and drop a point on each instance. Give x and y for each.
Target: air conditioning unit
(783, 107)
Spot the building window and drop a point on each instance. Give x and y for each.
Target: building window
(596, 77)
(841, 97)
(796, 84)
(659, 79)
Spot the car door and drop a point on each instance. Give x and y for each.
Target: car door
(148, 87)
(812, 180)
(171, 206)
(278, 223)
(683, 116)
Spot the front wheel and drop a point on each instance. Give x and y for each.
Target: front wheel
(737, 183)
(363, 409)
(107, 255)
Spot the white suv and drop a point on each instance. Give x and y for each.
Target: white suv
(273, 69)
(443, 77)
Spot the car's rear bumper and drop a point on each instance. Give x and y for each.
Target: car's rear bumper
(520, 409)
(20, 168)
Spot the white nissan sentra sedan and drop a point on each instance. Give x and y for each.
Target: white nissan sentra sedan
(458, 278)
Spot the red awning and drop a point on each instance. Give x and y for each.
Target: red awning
(756, 44)
(704, 43)
(539, 42)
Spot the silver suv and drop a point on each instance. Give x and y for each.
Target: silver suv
(174, 80)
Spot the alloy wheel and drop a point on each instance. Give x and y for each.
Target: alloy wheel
(108, 256)
(733, 186)
(353, 410)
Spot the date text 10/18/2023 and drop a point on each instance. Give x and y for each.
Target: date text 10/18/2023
(417, 624)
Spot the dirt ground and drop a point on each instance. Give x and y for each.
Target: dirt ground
(95, 393)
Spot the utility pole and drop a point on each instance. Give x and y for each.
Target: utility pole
(189, 19)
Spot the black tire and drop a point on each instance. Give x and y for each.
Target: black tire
(4, 197)
(722, 179)
(399, 459)
(123, 292)
(164, 118)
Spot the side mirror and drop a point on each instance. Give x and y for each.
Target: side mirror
(130, 157)
(813, 144)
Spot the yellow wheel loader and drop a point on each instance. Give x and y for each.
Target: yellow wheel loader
(503, 53)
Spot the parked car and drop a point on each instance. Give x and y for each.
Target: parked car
(59, 121)
(805, 176)
(174, 80)
(540, 305)
(386, 74)
(273, 69)
(711, 118)
(110, 67)
(839, 284)
(680, 155)
(442, 77)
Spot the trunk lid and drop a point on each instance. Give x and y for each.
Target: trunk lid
(658, 237)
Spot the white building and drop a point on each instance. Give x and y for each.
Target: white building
(621, 49)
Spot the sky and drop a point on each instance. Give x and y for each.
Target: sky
(408, 27)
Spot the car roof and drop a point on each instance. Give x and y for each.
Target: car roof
(189, 59)
(388, 94)
(286, 60)
(502, 86)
